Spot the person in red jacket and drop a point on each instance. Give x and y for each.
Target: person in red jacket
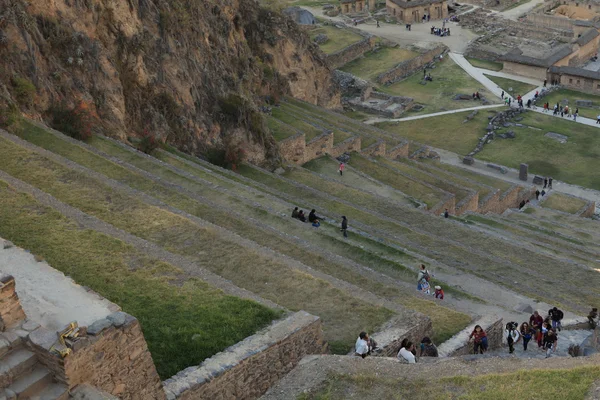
(535, 322)
(479, 340)
(439, 293)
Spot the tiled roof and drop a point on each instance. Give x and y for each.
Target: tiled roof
(584, 73)
(517, 56)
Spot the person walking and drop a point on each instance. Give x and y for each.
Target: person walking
(341, 169)
(598, 119)
(556, 316)
(446, 214)
(502, 95)
(592, 317)
(344, 228)
(545, 182)
(512, 336)
(545, 82)
(575, 115)
(537, 194)
(423, 277)
(526, 334)
(535, 322)
(550, 342)
(479, 340)
(549, 183)
(378, 23)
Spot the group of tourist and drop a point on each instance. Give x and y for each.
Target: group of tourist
(315, 220)
(407, 354)
(440, 31)
(423, 278)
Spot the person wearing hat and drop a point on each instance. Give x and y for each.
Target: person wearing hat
(428, 349)
(439, 293)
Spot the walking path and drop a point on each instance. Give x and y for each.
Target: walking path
(516, 12)
(377, 120)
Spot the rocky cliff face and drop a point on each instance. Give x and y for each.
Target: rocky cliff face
(190, 72)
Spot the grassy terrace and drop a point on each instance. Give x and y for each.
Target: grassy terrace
(518, 87)
(279, 129)
(247, 268)
(569, 162)
(342, 122)
(523, 384)
(444, 174)
(579, 228)
(426, 232)
(485, 64)
(559, 95)
(448, 80)
(292, 113)
(338, 38)
(564, 203)
(483, 179)
(432, 179)
(445, 132)
(411, 187)
(309, 130)
(374, 63)
(170, 313)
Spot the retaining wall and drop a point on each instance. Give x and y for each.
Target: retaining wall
(588, 210)
(459, 344)
(390, 338)
(347, 146)
(408, 67)
(319, 146)
(400, 150)
(550, 21)
(375, 150)
(11, 311)
(292, 148)
(247, 369)
(111, 355)
(351, 53)
(470, 203)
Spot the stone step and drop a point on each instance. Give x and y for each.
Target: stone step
(31, 383)
(53, 391)
(14, 364)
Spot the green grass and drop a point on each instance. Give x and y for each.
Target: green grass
(310, 131)
(564, 203)
(182, 323)
(408, 186)
(518, 88)
(568, 384)
(374, 63)
(445, 132)
(245, 267)
(483, 179)
(485, 64)
(279, 129)
(448, 80)
(571, 95)
(338, 38)
(569, 162)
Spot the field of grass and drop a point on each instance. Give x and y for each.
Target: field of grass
(563, 203)
(279, 129)
(572, 384)
(485, 64)
(374, 63)
(484, 179)
(445, 132)
(179, 235)
(571, 95)
(518, 88)
(448, 80)
(569, 162)
(182, 323)
(310, 131)
(338, 38)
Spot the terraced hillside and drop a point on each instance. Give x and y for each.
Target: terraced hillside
(168, 236)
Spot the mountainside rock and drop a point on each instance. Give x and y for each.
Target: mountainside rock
(189, 72)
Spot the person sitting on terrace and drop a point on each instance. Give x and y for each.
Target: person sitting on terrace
(301, 216)
(295, 213)
(312, 216)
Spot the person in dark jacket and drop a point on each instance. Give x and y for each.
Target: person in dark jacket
(556, 316)
(428, 349)
(295, 213)
(344, 228)
(312, 216)
(301, 216)
(535, 322)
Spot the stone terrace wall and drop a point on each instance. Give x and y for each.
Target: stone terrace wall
(351, 53)
(499, 202)
(459, 345)
(448, 202)
(550, 21)
(390, 338)
(408, 67)
(292, 148)
(400, 150)
(349, 145)
(377, 149)
(588, 210)
(247, 369)
(110, 355)
(319, 146)
(11, 311)
(470, 203)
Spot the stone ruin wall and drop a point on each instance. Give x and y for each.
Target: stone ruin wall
(292, 148)
(246, 370)
(390, 340)
(588, 210)
(11, 311)
(318, 147)
(448, 202)
(400, 150)
(347, 146)
(377, 149)
(351, 52)
(111, 355)
(459, 345)
(408, 67)
(471, 203)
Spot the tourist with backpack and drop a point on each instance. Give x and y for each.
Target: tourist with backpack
(556, 316)
(550, 342)
(479, 340)
(423, 278)
(512, 336)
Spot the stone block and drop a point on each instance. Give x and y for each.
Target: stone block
(468, 160)
(538, 180)
(584, 103)
(557, 136)
(523, 172)
(98, 326)
(524, 308)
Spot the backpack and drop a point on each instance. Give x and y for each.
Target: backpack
(426, 275)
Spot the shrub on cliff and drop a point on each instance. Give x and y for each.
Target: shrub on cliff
(24, 90)
(75, 122)
(148, 143)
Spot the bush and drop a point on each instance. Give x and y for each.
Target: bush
(148, 142)
(76, 122)
(24, 90)
(9, 114)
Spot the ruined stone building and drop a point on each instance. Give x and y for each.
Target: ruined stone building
(356, 6)
(409, 11)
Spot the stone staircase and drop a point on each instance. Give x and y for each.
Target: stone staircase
(21, 374)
